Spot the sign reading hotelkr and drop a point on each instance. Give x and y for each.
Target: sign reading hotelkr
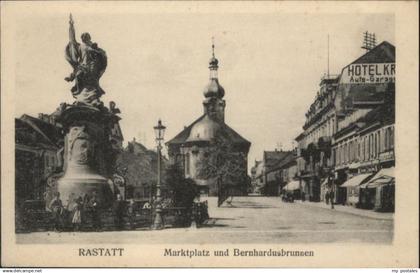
(369, 73)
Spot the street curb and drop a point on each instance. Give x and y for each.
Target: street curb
(377, 217)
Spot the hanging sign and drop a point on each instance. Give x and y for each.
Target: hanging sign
(368, 73)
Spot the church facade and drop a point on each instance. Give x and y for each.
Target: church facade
(189, 147)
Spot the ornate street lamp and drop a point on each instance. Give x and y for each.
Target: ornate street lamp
(159, 133)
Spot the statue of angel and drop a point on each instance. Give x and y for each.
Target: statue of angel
(89, 63)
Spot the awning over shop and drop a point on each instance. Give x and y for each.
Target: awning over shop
(356, 180)
(380, 181)
(384, 176)
(292, 185)
(387, 172)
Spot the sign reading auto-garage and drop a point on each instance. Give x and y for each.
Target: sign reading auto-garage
(369, 73)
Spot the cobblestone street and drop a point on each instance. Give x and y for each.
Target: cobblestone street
(249, 220)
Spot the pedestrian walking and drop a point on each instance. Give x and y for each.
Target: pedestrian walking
(131, 213)
(77, 214)
(327, 197)
(119, 213)
(94, 206)
(331, 197)
(56, 206)
(84, 209)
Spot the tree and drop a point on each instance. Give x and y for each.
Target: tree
(183, 190)
(227, 164)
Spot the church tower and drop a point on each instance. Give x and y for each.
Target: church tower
(214, 104)
(190, 147)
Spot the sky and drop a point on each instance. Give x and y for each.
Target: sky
(269, 64)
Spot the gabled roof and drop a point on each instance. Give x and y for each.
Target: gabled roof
(27, 134)
(184, 134)
(382, 53)
(49, 132)
(137, 146)
(289, 158)
(272, 157)
(231, 134)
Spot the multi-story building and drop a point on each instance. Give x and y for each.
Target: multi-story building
(314, 143)
(139, 171)
(285, 171)
(331, 120)
(37, 142)
(364, 140)
(271, 173)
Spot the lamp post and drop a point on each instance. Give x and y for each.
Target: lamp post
(159, 133)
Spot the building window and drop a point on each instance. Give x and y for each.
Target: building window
(339, 154)
(347, 152)
(366, 149)
(187, 164)
(344, 152)
(375, 152)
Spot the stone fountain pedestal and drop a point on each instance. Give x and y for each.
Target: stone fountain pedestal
(89, 155)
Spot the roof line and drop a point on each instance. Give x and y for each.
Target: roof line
(37, 129)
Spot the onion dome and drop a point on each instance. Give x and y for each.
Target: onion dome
(213, 63)
(204, 130)
(213, 88)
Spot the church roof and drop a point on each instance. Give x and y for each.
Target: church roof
(231, 134)
(204, 130)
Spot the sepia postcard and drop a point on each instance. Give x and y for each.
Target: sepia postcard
(209, 134)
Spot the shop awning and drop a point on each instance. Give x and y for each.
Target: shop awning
(387, 172)
(292, 185)
(384, 176)
(380, 181)
(356, 180)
